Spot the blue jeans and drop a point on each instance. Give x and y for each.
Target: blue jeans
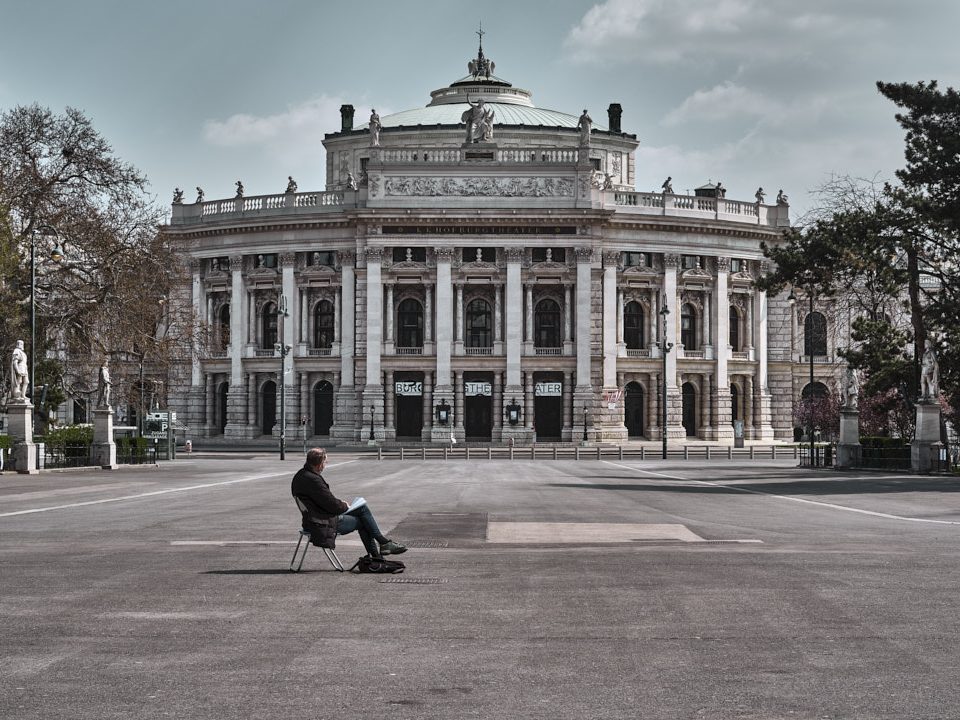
(362, 520)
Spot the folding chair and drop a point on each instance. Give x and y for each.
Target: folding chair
(331, 555)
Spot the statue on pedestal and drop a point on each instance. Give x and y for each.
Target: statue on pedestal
(852, 389)
(19, 377)
(104, 385)
(375, 127)
(479, 121)
(291, 184)
(585, 125)
(929, 375)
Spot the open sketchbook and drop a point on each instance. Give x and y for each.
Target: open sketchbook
(355, 503)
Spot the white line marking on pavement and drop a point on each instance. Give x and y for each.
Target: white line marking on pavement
(155, 493)
(819, 503)
(225, 543)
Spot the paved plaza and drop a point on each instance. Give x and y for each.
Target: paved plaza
(534, 590)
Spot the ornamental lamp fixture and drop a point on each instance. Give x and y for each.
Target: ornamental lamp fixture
(443, 412)
(513, 412)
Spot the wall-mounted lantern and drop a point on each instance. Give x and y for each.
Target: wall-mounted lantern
(443, 413)
(513, 412)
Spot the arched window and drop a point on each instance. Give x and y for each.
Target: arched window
(409, 323)
(633, 325)
(815, 334)
(223, 328)
(268, 319)
(323, 324)
(546, 323)
(815, 389)
(734, 329)
(688, 327)
(479, 324)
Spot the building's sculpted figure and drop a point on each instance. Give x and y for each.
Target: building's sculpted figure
(291, 184)
(375, 127)
(585, 125)
(239, 189)
(852, 389)
(929, 375)
(782, 198)
(19, 377)
(667, 186)
(104, 385)
(760, 195)
(177, 196)
(199, 194)
(351, 181)
(479, 121)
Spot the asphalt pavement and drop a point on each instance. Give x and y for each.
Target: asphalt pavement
(572, 589)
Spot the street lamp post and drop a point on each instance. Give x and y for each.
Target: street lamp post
(56, 255)
(665, 348)
(584, 423)
(371, 423)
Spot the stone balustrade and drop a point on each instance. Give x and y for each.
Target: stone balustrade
(705, 207)
(261, 205)
(452, 156)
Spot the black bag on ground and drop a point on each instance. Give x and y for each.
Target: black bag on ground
(368, 564)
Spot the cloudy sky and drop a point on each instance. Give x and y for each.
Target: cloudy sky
(750, 92)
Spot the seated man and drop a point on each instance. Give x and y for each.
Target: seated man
(326, 517)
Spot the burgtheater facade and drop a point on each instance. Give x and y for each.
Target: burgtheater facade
(485, 269)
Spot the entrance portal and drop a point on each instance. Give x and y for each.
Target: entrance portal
(268, 407)
(633, 410)
(408, 397)
(690, 409)
(548, 407)
(478, 407)
(322, 408)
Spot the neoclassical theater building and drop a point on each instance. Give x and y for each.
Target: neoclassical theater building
(485, 269)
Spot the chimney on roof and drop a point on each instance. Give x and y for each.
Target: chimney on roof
(613, 115)
(346, 118)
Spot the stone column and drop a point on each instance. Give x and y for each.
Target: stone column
(748, 428)
(345, 411)
(236, 425)
(337, 303)
(722, 428)
(373, 390)
(528, 411)
(210, 403)
(706, 426)
(104, 448)
(583, 392)
(764, 415)
(926, 440)
(528, 324)
(288, 325)
(458, 322)
(612, 319)
(567, 321)
(751, 348)
(497, 405)
(675, 427)
(567, 432)
(497, 320)
(303, 404)
(652, 419)
(708, 345)
(458, 405)
(849, 449)
(390, 312)
(428, 319)
(513, 328)
(443, 387)
(251, 400)
(653, 323)
(427, 405)
(390, 395)
(199, 307)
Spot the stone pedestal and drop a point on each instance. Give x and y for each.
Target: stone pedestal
(104, 448)
(20, 428)
(926, 437)
(848, 449)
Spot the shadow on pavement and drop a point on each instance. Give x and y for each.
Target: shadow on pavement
(259, 571)
(793, 487)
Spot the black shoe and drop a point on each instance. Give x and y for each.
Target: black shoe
(392, 548)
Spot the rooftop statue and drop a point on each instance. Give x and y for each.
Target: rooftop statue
(585, 124)
(291, 184)
(199, 194)
(239, 189)
(760, 195)
(782, 198)
(479, 120)
(177, 196)
(667, 186)
(375, 127)
(19, 378)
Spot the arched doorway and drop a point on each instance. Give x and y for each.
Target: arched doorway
(690, 409)
(221, 422)
(268, 407)
(633, 409)
(322, 408)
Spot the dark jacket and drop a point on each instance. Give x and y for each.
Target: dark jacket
(322, 507)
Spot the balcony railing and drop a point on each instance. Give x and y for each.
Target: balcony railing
(638, 352)
(409, 350)
(478, 350)
(259, 352)
(548, 351)
(693, 354)
(319, 352)
(740, 355)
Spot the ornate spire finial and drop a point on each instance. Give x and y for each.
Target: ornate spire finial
(481, 66)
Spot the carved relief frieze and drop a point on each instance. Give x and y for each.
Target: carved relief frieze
(584, 253)
(692, 298)
(417, 186)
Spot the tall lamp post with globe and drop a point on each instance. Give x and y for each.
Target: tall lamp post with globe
(665, 347)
